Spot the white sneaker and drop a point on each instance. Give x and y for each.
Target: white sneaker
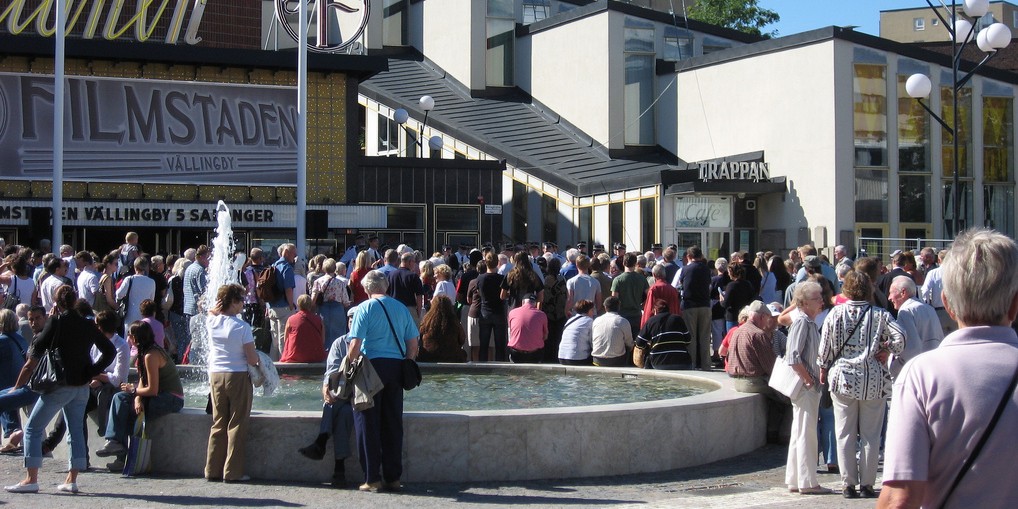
(112, 448)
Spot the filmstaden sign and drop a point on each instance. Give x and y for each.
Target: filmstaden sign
(150, 131)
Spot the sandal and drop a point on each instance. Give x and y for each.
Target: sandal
(12, 449)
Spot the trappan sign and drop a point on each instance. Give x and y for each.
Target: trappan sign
(150, 131)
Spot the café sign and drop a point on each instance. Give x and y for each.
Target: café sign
(104, 19)
(703, 212)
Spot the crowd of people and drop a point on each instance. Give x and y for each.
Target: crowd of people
(847, 329)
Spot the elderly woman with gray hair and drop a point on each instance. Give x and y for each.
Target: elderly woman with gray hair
(384, 332)
(801, 355)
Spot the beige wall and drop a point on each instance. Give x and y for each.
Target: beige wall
(899, 25)
(453, 37)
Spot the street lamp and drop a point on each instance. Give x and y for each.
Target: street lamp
(401, 116)
(918, 86)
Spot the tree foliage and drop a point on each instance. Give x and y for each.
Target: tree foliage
(742, 15)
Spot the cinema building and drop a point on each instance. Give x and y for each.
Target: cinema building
(595, 121)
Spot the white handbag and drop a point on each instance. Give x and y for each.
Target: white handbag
(784, 379)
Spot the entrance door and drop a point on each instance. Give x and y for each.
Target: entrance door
(713, 243)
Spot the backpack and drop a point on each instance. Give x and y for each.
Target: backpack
(266, 285)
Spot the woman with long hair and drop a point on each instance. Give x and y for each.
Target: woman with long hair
(16, 275)
(157, 393)
(361, 267)
(521, 280)
(737, 295)
(442, 336)
(768, 281)
(554, 306)
(776, 266)
(231, 351)
(73, 337)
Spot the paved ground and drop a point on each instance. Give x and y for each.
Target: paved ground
(752, 480)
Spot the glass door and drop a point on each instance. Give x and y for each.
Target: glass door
(718, 244)
(685, 239)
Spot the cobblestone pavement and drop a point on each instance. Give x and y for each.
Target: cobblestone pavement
(751, 480)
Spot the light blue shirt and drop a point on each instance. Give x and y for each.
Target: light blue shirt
(372, 327)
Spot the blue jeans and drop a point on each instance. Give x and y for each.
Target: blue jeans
(337, 420)
(11, 400)
(122, 414)
(827, 438)
(72, 401)
(180, 332)
(334, 321)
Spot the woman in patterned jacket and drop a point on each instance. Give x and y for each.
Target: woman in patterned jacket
(856, 340)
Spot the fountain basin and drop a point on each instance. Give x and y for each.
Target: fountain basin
(500, 445)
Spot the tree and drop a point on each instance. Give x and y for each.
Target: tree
(742, 15)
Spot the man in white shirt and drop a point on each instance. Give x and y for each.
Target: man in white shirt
(88, 278)
(933, 285)
(136, 288)
(53, 278)
(919, 321)
(612, 337)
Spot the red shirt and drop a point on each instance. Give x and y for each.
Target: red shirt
(660, 290)
(528, 328)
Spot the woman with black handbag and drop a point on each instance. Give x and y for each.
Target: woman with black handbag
(384, 332)
(64, 346)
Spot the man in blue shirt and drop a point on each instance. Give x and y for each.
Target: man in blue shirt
(406, 286)
(283, 306)
(391, 262)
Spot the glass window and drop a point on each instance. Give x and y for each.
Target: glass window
(677, 48)
(919, 24)
(519, 227)
(648, 211)
(535, 10)
(586, 233)
(913, 132)
(964, 131)
(870, 196)
(499, 53)
(456, 218)
(965, 200)
(870, 120)
(388, 136)
(549, 218)
(998, 139)
(709, 48)
(616, 224)
(406, 218)
(914, 199)
(500, 9)
(640, 40)
(394, 22)
(639, 95)
(998, 204)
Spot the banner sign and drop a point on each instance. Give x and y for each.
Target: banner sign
(190, 215)
(703, 212)
(109, 21)
(150, 131)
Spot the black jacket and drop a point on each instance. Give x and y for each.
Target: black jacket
(74, 337)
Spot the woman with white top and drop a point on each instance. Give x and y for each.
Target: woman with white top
(231, 351)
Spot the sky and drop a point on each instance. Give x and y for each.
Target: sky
(803, 15)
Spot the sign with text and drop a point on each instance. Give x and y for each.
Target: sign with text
(733, 170)
(493, 210)
(190, 215)
(96, 18)
(150, 131)
(703, 212)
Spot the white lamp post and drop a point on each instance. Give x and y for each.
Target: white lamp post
(990, 39)
(401, 116)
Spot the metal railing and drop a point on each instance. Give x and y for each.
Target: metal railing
(882, 247)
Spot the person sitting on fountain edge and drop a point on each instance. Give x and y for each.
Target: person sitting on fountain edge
(337, 415)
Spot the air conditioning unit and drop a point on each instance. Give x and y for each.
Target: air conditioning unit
(750, 204)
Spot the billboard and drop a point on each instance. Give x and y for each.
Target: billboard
(150, 131)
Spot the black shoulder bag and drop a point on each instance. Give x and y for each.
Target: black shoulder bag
(411, 371)
(982, 440)
(49, 373)
(12, 299)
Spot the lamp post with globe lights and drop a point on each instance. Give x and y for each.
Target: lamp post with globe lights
(401, 116)
(990, 39)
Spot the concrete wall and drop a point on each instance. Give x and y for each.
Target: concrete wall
(787, 104)
(560, 67)
(498, 445)
(452, 35)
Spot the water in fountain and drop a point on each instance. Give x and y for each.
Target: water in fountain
(224, 268)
